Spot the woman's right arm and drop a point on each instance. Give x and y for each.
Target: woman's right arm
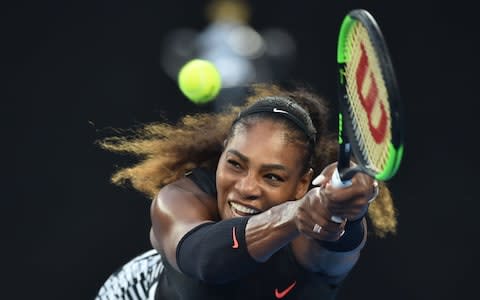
(187, 230)
(178, 208)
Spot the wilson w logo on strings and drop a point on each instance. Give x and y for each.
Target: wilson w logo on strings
(370, 97)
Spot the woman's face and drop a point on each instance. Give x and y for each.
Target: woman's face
(259, 169)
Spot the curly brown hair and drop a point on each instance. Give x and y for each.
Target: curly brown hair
(165, 151)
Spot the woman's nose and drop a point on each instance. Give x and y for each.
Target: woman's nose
(248, 187)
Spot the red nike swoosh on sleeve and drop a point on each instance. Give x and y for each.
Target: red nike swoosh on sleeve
(234, 237)
(280, 295)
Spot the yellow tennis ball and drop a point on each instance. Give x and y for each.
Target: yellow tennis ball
(199, 80)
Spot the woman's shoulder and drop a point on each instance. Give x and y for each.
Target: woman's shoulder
(185, 195)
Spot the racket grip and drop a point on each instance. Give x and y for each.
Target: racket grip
(339, 184)
(337, 181)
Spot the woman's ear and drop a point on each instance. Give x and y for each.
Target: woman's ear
(304, 184)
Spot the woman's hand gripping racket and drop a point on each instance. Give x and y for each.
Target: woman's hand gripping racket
(370, 118)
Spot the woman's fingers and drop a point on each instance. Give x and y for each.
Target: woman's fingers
(326, 231)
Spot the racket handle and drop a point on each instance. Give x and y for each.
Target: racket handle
(337, 181)
(339, 184)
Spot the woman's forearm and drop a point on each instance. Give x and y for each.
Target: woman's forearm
(269, 231)
(266, 233)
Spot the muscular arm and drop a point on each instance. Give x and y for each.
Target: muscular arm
(268, 232)
(187, 229)
(316, 258)
(333, 251)
(271, 230)
(178, 208)
(182, 207)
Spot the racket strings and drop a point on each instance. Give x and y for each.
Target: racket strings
(367, 94)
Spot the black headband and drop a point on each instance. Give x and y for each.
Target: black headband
(285, 108)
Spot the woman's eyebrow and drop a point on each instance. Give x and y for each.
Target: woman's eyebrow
(278, 167)
(264, 166)
(240, 155)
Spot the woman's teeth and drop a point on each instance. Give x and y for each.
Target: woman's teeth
(243, 209)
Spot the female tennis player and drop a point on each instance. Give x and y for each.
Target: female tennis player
(242, 204)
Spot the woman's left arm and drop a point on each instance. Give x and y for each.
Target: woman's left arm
(326, 245)
(334, 259)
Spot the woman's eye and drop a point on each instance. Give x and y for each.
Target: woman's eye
(273, 177)
(233, 163)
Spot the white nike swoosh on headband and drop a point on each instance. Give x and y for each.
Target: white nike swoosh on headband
(279, 111)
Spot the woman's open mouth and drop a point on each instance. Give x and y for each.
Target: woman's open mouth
(242, 210)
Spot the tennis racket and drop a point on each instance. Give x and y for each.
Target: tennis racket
(370, 112)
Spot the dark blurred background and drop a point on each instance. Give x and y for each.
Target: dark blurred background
(74, 71)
